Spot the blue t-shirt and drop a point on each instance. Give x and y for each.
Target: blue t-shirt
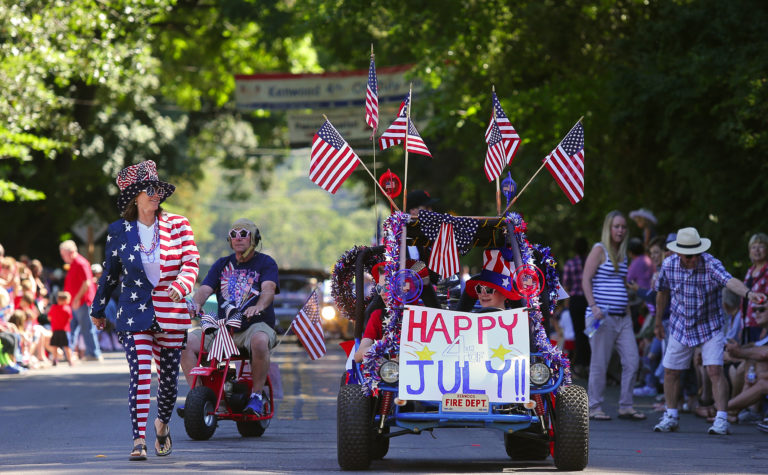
(239, 283)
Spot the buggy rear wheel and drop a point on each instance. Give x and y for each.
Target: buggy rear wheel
(571, 450)
(353, 428)
(379, 443)
(257, 428)
(525, 448)
(200, 413)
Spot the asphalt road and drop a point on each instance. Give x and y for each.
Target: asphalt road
(75, 420)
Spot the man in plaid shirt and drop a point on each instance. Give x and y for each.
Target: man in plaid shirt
(694, 279)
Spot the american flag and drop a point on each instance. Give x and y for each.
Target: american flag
(308, 328)
(372, 98)
(495, 157)
(395, 133)
(332, 160)
(445, 256)
(566, 164)
(509, 136)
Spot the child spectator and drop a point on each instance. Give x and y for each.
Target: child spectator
(60, 315)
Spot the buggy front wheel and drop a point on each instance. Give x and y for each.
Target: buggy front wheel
(571, 426)
(353, 428)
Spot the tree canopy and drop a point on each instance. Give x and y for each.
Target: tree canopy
(673, 95)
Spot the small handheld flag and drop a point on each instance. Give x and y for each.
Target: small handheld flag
(372, 98)
(566, 164)
(332, 160)
(308, 328)
(395, 133)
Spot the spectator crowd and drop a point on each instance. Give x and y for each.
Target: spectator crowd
(741, 316)
(38, 328)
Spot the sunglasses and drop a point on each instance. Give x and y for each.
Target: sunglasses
(239, 233)
(481, 289)
(690, 256)
(152, 190)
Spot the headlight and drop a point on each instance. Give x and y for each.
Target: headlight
(389, 372)
(540, 373)
(328, 312)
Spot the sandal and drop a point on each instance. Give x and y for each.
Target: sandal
(139, 452)
(599, 416)
(631, 415)
(161, 441)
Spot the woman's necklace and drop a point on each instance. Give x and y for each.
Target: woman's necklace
(155, 241)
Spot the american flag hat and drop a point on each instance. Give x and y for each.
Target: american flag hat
(496, 273)
(135, 179)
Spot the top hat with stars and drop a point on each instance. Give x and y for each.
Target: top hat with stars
(496, 273)
(135, 179)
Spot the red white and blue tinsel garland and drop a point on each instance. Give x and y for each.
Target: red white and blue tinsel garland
(342, 281)
(391, 318)
(550, 352)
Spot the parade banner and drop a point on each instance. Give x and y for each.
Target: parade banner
(302, 125)
(466, 360)
(308, 91)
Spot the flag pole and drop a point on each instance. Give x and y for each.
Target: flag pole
(405, 146)
(373, 143)
(498, 185)
(371, 175)
(537, 172)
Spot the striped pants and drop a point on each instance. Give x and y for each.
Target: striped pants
(140, 348)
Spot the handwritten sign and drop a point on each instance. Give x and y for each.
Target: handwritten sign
(445, 352)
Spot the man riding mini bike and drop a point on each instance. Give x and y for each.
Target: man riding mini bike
(245, 284)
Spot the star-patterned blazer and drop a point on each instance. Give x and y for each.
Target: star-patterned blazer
(139, 302)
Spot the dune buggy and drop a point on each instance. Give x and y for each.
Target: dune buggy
(435, 368)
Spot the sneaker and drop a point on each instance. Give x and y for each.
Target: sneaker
(720, 427)
(667, 424)
(749, 417)
(645, 391)
(9, 370)
(763, 426)
(255, 405)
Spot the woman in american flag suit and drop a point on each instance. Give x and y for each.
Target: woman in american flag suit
(151, 255)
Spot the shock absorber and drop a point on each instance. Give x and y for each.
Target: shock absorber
(540, 410)
(386, 403)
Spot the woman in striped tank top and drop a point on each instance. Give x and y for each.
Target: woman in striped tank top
(604, 283)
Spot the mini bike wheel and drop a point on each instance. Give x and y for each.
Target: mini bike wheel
(256, 428)
(199, 413)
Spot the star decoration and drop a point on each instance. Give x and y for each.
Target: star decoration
(128, 226)
(122, 248)
(499, 352)
(138, 283)
(114, 253)
(142, 307)
(103, 301)
(505, 282)
(134, 296)
(109, 237)
(425, 354)
(131, 257)
(136, 247)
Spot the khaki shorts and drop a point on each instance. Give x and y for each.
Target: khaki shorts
(678, 356)
(243, 338)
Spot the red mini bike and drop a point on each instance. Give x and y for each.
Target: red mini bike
(224, 393)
